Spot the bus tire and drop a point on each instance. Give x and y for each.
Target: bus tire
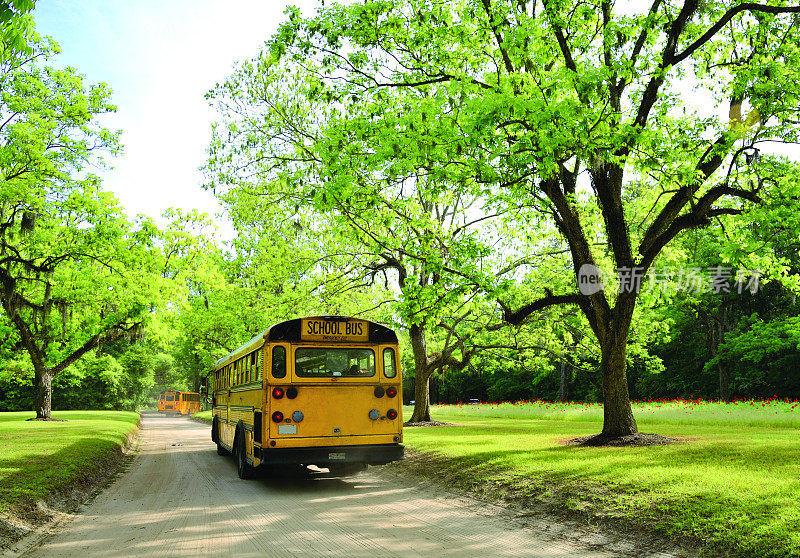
(215, 437)
(243, 469)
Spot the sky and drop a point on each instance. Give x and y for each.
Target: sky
(160, 58)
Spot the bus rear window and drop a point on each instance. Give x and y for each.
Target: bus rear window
(312, 362)
(170, 397)
(278, 362)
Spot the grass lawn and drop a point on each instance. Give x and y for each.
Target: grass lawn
(203, 415)
(735, 481)
(38, 457)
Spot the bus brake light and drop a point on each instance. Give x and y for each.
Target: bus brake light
(277, 393)
(277, 417)
(391, 414)
(391, 392)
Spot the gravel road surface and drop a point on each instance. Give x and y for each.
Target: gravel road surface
(179, 498)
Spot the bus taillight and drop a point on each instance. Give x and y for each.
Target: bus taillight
(378, 392)
(277, 417)
(391, 414)
(391, 392)
(291, 393)
(277, 393)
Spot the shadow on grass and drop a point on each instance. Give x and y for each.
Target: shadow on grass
(736, 496)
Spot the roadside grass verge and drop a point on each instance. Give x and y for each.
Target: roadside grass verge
(732, 482)
(203, 416)
(40, 460)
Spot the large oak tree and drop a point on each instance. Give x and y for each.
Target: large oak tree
(653, 114)
(74, 272)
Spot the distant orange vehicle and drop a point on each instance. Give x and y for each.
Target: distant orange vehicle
(180, 402)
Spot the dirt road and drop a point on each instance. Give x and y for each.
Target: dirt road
(179, 498)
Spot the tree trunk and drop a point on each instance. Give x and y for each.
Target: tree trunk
(724, 386)
(724, 383)
(562, 390)
(422, 408)
(617, 413)
(44, 394)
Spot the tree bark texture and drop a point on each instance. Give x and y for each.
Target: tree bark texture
(43, 402)
(422, 407)
(617, 413)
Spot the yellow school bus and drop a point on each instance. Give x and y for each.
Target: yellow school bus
(180, 402)
(323, 391)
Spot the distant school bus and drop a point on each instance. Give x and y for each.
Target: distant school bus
(322, 391)
(180, 402)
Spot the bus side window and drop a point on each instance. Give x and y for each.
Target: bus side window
(389, 368)
(278, 362)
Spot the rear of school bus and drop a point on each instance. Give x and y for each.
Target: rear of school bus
(333, 394)
(168, 402)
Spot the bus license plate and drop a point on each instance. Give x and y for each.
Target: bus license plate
(336, 456)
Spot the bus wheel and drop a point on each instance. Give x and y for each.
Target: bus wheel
(215, 436)
(243, 469)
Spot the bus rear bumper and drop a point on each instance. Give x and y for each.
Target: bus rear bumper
(373, 454)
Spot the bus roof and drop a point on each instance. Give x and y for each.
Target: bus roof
(290, 331)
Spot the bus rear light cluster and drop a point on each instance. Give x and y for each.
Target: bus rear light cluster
(277, 393)
(391, 414)
(277, 417)
(391, 392)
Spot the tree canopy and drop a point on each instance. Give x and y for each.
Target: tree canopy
(568, 116)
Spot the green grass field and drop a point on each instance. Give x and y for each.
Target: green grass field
(37, 458)
(734, 481)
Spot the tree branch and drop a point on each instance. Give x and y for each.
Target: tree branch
(729, 15)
